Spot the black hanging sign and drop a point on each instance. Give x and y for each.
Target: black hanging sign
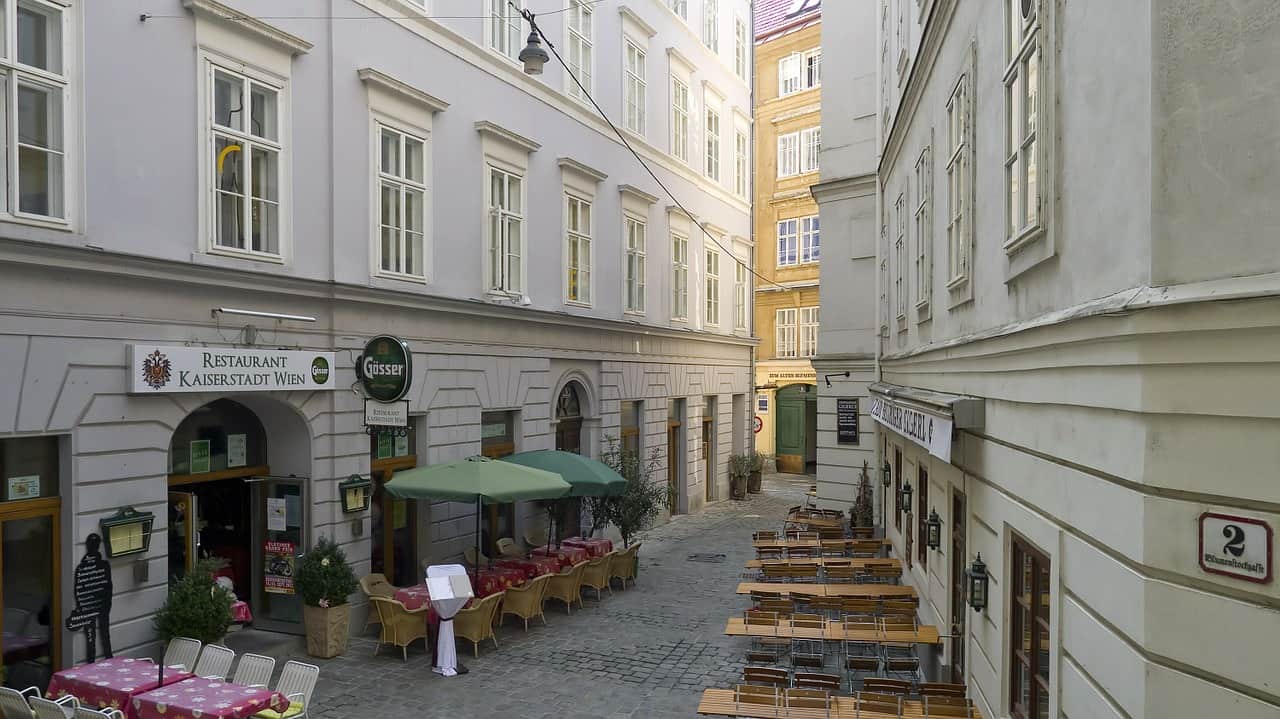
(92, 588)
(847, 420)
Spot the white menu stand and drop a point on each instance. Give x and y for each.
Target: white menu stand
(450, 590)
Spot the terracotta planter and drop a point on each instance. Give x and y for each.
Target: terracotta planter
(753, 482)
(327, 630)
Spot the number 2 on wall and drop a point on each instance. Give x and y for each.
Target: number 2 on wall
(1235, 540)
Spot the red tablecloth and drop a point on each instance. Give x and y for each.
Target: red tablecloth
(497, 579)
(206, 699)
(567, 555)
(111, 682)
(533, 566)
(597, 547)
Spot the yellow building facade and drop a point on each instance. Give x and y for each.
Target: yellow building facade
(787, 236)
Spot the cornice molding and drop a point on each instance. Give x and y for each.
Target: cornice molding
(844, 188)
(638, 193)
(498, 132)
(629, 15)
(572, 165)
(715, 229)
(214, 10)
(674, 54)
(382, 81)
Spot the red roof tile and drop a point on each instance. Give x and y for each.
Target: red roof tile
(772, 16)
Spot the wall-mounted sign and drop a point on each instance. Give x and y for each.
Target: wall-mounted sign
(276, 514)
(802, 375)
(758, 424)
(1237, 547)
(386, 446)
(385, 368)
(24, 487)
(279, 562)
(927, 430)
(846, 420)
(91, 587)
(167, 369)
(237, 450)
(199, 457)
(386, 414)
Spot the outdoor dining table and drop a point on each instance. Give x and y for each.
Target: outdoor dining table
(808, 543)
(199, 698)
(532, 566)
(595, 547)
(834, 631)
(858, 562)
(112, 683)
(568, 555)
(834, 589)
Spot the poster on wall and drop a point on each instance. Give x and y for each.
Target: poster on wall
(199, 456)
(237, 450)
(24, 487)
(275, 514)
(401, 446)
(278, 557)
(847, 420)
(385, 445)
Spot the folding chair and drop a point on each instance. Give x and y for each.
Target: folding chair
(766, 676)
(802, 536)
(877, 704)
(802, 552)
(867, 549)
(804, 573)
(839, 575)
(832, 534)
(830, 548)
(897, 650)
(885, 686)
(828, 607)
(182, 652)
(775, 573)
(861, 608)
(817, 680)
(748, 698)
(808, 652)
(767, 553)
(765, 649)
(254, 670)
(802, 600)
(860, 668)
(87, 713)
(809, 700)
(899, 623)
(758, 595)
(905, 668)
(894, 606)
(764, 536)
(942, 706)
(862, 532)
(46, 709)
(941, 689)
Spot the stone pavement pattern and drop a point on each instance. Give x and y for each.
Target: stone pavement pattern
(647, 652)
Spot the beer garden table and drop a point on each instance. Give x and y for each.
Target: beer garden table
(112, 683)
(857, 591)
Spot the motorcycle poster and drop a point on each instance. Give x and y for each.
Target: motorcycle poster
(279, 562)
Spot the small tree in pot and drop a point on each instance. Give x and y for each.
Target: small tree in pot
(739, 470)
(862, 514)
(756, 467)
(324, 580)
(196, 606)
(642, 500)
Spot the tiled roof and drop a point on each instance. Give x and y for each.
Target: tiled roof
(773, 15)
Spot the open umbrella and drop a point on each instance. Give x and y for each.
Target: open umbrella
(588, 477)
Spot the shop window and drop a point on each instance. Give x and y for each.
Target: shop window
(497, 434)
(391, 445)
(30, 467)
(631, 424)
(393, 550)
(1029, 633)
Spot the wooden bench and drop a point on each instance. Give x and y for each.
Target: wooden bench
(859, 591)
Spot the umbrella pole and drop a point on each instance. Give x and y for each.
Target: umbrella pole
(476, 583)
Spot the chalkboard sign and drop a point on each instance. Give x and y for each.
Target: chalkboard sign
(847, 420)
(92, 589)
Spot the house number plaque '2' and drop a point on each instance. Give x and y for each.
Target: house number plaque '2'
(1237, 547)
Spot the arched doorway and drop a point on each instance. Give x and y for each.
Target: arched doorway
(569, 418)
(796, 428)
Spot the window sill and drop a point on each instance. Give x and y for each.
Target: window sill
(958, 282)
(246, 255)
(1023, 238)
(399, 277)
(48, 223)
(923, 313)
(633, 313)
(578, 303)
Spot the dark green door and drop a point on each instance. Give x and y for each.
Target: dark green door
(790, 430)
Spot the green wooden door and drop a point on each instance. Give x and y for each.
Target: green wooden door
(789, 435)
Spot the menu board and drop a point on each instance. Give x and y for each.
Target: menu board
(847, 420)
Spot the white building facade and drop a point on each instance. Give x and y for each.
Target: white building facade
(348, 170)
(1076, 323)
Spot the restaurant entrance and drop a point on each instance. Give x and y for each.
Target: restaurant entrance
(959, 584)
(394, 549)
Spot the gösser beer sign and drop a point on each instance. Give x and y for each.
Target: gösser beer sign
(385, 368)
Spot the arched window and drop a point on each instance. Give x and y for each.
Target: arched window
(219, 436)
(568, 405)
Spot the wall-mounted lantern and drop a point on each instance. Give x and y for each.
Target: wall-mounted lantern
(127, 532)
(933, 530)
(904, 497)
(355, 492)
(887, 471)
(978, 579)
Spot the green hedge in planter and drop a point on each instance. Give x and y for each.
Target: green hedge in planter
(196, 606)
(323, 577)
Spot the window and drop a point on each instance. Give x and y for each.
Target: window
(808, 331)
(809, 247)
(884, 277)
(924, 233)
(713, 143)
(634, 87)
(679, 277)
(798, 151)
(740, 159)
(799, 71)
(504, 28)
(922, 515)
(245, 161)
(497, 434)
(958, 169)
(787, 242)
(34, 77)
(632, 414)
(712, 286)
(810, 145)
(740, 295)
(1029, 633)
(1022, 80)
(635, 264)
(762, 403)
(577, 232)
(897, 488)
(711, 25)
(785, 333)
(401, 202)
(681, 8)
(900, 257)
(506, 236)
(679, 118)
(580, 40)
(741, 44)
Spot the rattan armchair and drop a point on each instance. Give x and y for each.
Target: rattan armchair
(566, 586)
(375, 585)
(526, 602)
(624, 564)
(400, 626)
(475, 623)
(596, 574)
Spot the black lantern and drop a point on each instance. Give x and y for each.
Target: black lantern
(888, 473)
(355, 493)
(533, 56)
(977, 574)
(127, 532)
(904, 497)
(933, 530)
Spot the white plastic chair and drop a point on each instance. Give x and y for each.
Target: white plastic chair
(215, 662)
(297, 682)
(63, 708)
(182, 652)
(13, 703)
(254, 670)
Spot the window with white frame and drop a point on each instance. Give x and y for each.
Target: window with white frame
(788, 242)
(810, 249)
(681, 8)
(799, 71)
(33, 92)
(679, 118)
(900, 256)
(634, 87)
(924, 230)
(741, 162)
(711, 280)
(711, 25)
(741, 289)
(712, 131)
(580, 48)
(246, 163)
(506, 231)
(502, 27)
(577, 233)
(1022, 81)
(741, 48)
(808, 331)
(762, 403)
(785, 332)
(679, 277)
(884, 277)
(958, 183)
(635, 230)
(798, 152)
(402, 194)
(810, 147)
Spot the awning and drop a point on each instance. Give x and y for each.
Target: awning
(477, 478)
(586, 477)
(925, 417)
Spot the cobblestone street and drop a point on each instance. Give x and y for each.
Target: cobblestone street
(646, 652)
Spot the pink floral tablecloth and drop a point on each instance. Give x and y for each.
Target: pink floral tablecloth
(597, 547)
(206, 699)
(567, 555)
(533, 566)
(112, 683)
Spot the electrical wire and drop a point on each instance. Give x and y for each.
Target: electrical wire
(245, 16)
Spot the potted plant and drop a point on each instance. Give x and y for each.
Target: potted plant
(753, 474)
(739, 470)
(196, 606)
(324, 580)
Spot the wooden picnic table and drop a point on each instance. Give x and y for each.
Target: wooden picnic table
(857, 591)
(833, 630)
(808, 543)
(859, 562)
(719, 702)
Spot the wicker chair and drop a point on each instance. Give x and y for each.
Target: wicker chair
(469, 555)
(475, 623)
(375, 585)
(535, 536)
(400, 626)
(596, 574)
(526, 602)
(623, 567)
(566, 586)
(507, 547)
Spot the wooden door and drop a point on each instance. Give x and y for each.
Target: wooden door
(708, 457)
(789, 429)
(184, 538)
(673, 467)
(959, 610)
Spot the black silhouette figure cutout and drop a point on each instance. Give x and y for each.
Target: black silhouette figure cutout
(92, 587)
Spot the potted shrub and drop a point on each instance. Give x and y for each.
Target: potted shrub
(324, 580)
(862, 513)
(739, 470)
(196, 606)
(753, 474)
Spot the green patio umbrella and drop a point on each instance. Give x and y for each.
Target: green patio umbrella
(588, 477)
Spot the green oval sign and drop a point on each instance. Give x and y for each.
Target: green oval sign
(386, 368)
(320, 370)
